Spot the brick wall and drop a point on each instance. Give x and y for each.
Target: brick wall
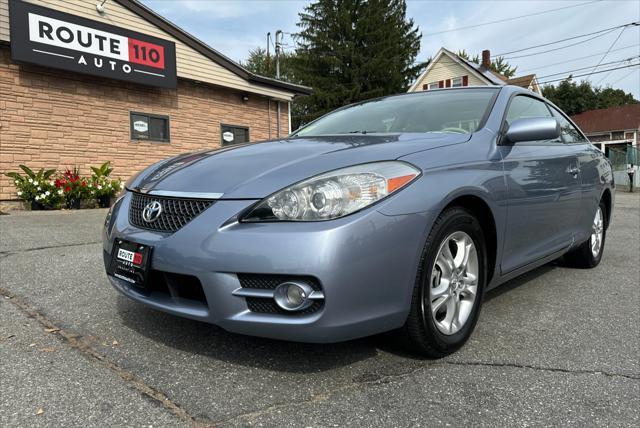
(54, 119)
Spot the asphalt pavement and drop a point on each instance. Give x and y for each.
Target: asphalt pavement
(556, 347)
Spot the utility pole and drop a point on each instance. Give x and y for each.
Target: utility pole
(268, 41)
(278, 48)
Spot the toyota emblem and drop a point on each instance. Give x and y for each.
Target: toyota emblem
(152, 211)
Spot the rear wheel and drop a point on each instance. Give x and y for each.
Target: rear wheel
(589, 253)
(449, 286)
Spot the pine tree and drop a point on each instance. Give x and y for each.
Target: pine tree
(353, 50)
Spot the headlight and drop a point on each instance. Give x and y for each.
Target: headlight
(334, 194)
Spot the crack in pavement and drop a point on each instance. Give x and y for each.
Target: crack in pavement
(546, 369)
(250, 417)
(78, 343)
(4, 254)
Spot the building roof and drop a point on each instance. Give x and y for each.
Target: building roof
(483, 73)
(609, 119)
(522, 81)
(138, 8)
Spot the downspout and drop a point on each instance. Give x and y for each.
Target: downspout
(269, 108)
(289, 110)
(278, 118)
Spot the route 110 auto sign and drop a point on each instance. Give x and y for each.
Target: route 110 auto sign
(55, 39)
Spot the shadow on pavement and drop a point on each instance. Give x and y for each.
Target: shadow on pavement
(213, 342)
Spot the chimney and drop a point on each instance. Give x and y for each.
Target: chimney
(486, 59)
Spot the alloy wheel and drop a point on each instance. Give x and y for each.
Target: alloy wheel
(597, 231)
(454, 283)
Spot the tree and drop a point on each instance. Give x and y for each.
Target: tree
(259, 63)
(353, 50)
(498, 65)
(574, 98)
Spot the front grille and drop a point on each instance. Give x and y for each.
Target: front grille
(175, 212)
(270, 282)
(268, 306)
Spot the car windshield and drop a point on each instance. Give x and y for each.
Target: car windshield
(455, 111)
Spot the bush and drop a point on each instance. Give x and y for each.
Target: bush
(37, 188)
(73, 187)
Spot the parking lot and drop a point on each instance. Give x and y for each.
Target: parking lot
(558, 346)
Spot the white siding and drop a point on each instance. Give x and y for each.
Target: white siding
(190, 63)
(446, 68)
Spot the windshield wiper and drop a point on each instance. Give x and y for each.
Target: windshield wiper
(358, 132)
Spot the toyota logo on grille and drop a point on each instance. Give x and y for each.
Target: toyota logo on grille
(152, 211)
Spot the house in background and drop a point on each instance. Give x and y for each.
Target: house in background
(615, 131)
(448, 69)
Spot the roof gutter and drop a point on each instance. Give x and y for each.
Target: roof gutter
(139, 9)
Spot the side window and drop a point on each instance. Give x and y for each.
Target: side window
(151, 127)
(568, 132)
(232, 134)
(522, 106)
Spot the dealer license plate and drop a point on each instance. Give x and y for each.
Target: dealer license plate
(130, 262)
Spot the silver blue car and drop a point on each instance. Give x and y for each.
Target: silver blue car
(397, 213)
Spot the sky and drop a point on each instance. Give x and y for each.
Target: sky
(235, 27)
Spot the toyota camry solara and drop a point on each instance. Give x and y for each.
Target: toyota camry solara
(397, 213)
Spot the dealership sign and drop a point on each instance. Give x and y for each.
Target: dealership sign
(54, 39)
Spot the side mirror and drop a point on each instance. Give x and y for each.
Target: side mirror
(533, 129)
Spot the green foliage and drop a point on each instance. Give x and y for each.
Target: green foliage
(103, 170)
(36, 186)
(353, 50)
(498, 65)
(574, 98)
(259, 63)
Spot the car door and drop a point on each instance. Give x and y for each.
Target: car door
(591, 183)
(543, 191)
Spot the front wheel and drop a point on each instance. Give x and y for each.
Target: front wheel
(589, 253)
(449, 286)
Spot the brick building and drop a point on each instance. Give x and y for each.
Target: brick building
(58, 109)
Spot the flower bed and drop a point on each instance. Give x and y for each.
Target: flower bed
(50, 189)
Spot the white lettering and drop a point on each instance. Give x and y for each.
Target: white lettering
(126, 68)
(82, 60)
(113, 65)
(95, 62)
(55, 32)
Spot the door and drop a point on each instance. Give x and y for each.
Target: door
(543, 192)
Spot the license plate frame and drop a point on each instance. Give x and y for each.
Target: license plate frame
(130, 262)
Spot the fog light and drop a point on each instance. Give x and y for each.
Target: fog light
(293, 296)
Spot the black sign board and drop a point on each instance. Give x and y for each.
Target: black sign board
(59, 40)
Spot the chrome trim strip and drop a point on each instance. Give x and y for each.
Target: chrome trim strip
(253, 292)
(316, 295)
(185, 195)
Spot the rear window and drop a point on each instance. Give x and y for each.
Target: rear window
(451, 111)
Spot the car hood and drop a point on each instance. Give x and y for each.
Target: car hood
(254, 171)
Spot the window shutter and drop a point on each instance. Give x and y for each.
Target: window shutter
(441, 84)
(465, 80)
(425, 87)
(448, 83)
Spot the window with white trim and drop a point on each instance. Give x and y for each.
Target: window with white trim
(433, 85)
(456, 82)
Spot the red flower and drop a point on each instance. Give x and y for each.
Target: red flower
(67, 189)
(84, 184)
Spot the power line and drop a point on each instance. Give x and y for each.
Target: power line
(576, 59)
(607, 53)
(599, 33)
(588, 67)
(509, 19)
(623, 77)
(589, 74)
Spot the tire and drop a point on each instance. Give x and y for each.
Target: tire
(583, 256)
(425, 332)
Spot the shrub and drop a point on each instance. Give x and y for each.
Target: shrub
(36, 187)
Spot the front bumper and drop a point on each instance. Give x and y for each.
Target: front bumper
(366, 264)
